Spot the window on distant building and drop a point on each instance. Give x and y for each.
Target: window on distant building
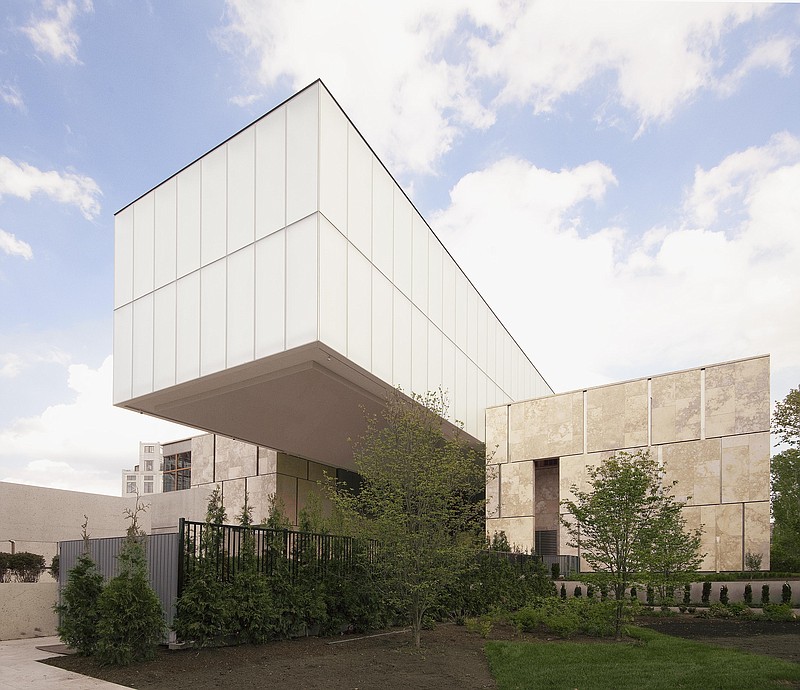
(149, 449)
(177, 471)
(148, 465)
(130, 487)
(148, 484)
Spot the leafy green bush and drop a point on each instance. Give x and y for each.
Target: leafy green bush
(650, 595)
(22, 566)
(54, 567)
(706, 595)
(778, 612)
(748, 594)
(578, 593)
(78, 608)
(764, 595)
(566, 618)
(130, 620)
(786, 593)
(723, 594)
(687, 594)
(555, 571)
(563, 591)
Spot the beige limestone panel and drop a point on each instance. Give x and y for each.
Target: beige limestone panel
(697, 519)
(573, 470)
(547, 427)
(293, 466)
(310, 496)
(516, 489)
(676, 407)
(202, 459)
(546, 497)
(317, 472)
(233, 492)
(565, 537)
(519, 531)
(234, 459)
(492, 491)
(737, 397)
(26, 611)
(497, 434)
(260, 492)
(286, 494)
(695, 465)
(757, 531)
(617, 416)
(267, 460)
(745, 468)
(730, 537)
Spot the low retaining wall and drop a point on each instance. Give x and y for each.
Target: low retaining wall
(26, 609)
(735, 590)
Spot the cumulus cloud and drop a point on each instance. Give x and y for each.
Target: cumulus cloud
(626, 302)
(52, 32)
(11, 245)
(24, 181)
(85, 437)
(416, 76)
(11, 95)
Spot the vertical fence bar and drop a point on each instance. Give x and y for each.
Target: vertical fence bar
(181, 554)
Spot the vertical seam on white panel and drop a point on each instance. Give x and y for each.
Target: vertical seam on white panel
(702, 404)
(285, 216)
(225, 299)
(585, 422)
(255, 205)
(649, 412)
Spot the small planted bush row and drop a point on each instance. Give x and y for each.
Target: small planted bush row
(119, 622)
(566, 618)
(21, 567)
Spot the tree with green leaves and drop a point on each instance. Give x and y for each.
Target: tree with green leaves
(77, 611)
(785, 484)
(130, 619)
(420, 499)
(628, 527)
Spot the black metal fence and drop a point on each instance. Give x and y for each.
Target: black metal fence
(222, 549)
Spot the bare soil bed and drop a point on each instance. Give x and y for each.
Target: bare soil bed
(450, 657)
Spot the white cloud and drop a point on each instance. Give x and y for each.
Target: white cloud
(11, 365)
(53, 32)
(84, 438)
(680, 295)
(417, 75)
(12, 96)
(23, 180)
(11, 245)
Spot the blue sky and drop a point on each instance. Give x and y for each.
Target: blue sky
(619, 180)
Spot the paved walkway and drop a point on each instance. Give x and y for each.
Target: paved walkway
(19, 668)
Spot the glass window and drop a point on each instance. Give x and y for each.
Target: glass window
(148, 487)
(148, 465)
(131, 488)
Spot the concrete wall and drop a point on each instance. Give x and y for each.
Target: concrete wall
(26, 609)
(709, 427)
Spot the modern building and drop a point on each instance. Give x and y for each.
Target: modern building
(275, 289)
(145, 477)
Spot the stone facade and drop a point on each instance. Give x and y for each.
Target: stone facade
(708, 427)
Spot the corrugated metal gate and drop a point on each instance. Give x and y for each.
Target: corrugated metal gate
(162, 560)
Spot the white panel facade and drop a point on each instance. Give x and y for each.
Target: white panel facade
(293, 232)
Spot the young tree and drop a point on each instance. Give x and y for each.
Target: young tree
(420, 499)
(785, 471)
(628, 526)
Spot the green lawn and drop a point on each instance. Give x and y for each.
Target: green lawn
(654, 661)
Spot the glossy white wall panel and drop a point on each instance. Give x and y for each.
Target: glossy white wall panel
(449, 375)
(301, 282)
(516, 388)
(271, 173)
(188, 184)
(483, 327)
(434, 280)
(460, 394)
(271, 294)
(401, 344)
(434, 358)
(419, 351)
(507, 363)
(240, 307)
(143, 245)
(164, 320)
(359, 308)
(491, 347)
(359, 192)
(382, 220)
(471, 421)
(332, 161)
(462, 311)
(142, 346)
(449, 297)
(213, 302)
(332, 287)
(123, 352)
(382, 326)
(402, 242)
(480, 423)
(419, 258)
(241, 189)
(213, 214)
(123, 257)
(472, 323)
(500, 353)
(166, 232)
(187, 336)
(302, 140)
